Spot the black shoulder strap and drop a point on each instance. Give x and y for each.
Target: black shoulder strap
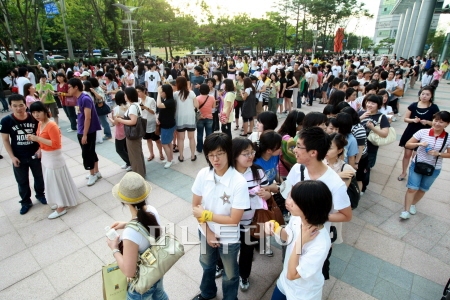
(302, 172)
(203, 103)
(442, 148)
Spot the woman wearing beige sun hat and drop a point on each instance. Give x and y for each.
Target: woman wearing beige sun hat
(133, 191)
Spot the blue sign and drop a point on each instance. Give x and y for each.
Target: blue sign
(51, 9)
(344, 40)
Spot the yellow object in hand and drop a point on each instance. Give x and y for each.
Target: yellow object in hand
(207, 215)
(276, 226)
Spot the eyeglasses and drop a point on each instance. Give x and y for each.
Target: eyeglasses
(249, 154)
(300, 147)
(216, 156)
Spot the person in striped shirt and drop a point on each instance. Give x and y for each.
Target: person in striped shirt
(433, 145)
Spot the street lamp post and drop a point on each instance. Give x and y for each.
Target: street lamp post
(128, 10)
(314, 44)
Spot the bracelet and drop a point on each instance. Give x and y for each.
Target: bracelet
(115, 251)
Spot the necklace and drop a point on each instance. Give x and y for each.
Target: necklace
(422, 113)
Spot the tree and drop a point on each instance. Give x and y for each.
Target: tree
(387, 43)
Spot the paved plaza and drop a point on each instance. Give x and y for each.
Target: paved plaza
(381, 257)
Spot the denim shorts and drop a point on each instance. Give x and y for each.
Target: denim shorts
(280, 101)
(420, 182)
(167, 135)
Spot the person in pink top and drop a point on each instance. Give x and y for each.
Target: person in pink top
(206, 103)
(29, 91)
(437, 75)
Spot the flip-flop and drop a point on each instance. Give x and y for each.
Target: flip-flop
(161, 158)
(243, 135)
(401, 178)
(151, 158)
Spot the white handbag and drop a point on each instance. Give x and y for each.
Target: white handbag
(382, 141)
(162, 254)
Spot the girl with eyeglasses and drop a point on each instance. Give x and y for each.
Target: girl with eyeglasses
(220, 197)
(243, 154)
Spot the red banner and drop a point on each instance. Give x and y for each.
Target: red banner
(338, 40)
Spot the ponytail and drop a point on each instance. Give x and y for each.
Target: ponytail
(269, 140)
(148, 219)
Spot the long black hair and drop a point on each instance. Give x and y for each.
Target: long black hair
(148, 219)
(269, 140)
(240, 144)
(293, 119)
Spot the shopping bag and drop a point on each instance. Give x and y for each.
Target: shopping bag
(114, 283)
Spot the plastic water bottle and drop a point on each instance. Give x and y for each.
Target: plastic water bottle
(428, 149)
(111, 233)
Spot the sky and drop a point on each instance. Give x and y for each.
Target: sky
(258, 8)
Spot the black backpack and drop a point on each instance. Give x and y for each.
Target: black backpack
(353, 191)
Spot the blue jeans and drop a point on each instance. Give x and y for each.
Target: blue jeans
(105, 125)
(420, 182)
(4, 103)
(156, 292)
(277, 294)
(22, 177)
(71, 115)
(299, 99)
(208, 261)
(203, 124)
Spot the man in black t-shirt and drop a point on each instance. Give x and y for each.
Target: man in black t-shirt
(14, 129)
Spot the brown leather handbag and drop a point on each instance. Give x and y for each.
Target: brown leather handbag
(262, 216)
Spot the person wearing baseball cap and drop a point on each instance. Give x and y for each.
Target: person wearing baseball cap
(133, 191)
(84, 76)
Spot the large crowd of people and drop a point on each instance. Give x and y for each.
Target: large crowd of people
(308, 161)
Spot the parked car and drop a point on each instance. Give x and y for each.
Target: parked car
(127, 53)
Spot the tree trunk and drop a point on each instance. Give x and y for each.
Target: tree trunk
(296, 27)
(167, 54)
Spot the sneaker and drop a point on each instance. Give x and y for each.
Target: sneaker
(167, 165)
(70, 130)
(361, 193)
(124, 166)
(98, 175)
(56, 214)
(199, 297)
(107, 138)
(42, 200)
(92, 179)
(54, 207)
(412, 209)
(128, 169)
(25, 208)
(405, 215)
(244, 284)
(393, 119)
(219, 272)
(268, 253)
(1, 156)
(399, 115)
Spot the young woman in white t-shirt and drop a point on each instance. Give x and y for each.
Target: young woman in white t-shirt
(243, 154)
(220, 196)
(309, 203)
(385, 108)
(133, 191)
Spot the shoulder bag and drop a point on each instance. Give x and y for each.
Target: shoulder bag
(198, 114)
(162, 254)
(382, 141)
(136, 131)
(426, 169)
(353, 191)
(262, 216)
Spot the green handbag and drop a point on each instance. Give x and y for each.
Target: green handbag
(114, 283)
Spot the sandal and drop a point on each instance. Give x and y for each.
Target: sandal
(244, 134)
(161, 157)
(180, 159)
(399, 178)
(236, 128)
(151, 158)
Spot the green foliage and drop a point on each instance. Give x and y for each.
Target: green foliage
(97, 24)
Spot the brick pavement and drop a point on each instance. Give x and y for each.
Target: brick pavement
(381, 257)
